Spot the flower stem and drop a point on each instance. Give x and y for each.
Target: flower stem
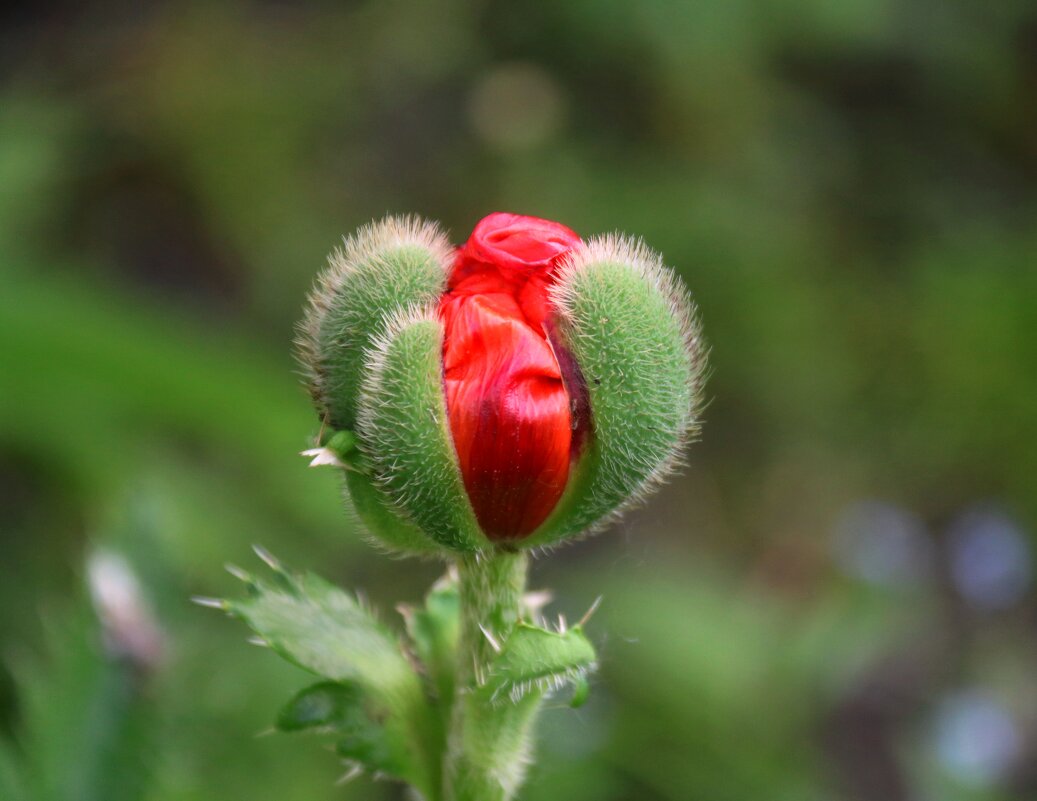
(489, 741)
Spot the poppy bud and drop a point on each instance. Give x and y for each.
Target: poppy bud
(521, 389)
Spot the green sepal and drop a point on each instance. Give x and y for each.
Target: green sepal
(386, 526)
(539, 661)
(630, 327)
(404, 431)
(434, 631)
(342, 711)
(386, 266)
(383, 522)
(328, 632)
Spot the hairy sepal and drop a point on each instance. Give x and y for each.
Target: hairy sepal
(385, 525)
(386, 266)
(631, 328)
(405, 434)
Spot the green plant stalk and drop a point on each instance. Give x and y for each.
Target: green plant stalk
(489, 738)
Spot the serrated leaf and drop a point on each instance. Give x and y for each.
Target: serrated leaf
(328, 704)
(581, 689)
(434, 630)
(536, 659)
(326, 631)
(341, 710)
(375, 701)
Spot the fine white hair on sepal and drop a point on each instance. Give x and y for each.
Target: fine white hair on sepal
(367, 254)
(375, 362)
(649, 264)
(546, 686)
(583, 276)
(403, 428)
(391, 231)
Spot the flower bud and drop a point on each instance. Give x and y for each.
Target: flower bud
(522, 389)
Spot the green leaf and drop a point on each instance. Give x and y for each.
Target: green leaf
(434, 630)
(405, 434)
(538, 660)
(581, 690)
(324, 630)
(344, 445)
(329, 704)
(12, 781)
(375, 700)
(630, 327)
(341, 710)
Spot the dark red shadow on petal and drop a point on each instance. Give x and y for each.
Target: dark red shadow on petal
(510, 411)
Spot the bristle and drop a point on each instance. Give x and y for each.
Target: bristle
(270, 560)
(616, 247)
(590, 612)
(209, 603)
(490, 639)
(353, 770)
(237, 572)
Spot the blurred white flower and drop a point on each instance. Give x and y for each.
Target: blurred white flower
(130, 628)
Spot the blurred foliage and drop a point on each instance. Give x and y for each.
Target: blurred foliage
(834, 601)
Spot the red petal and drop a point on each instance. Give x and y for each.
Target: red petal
(508, 407)
(515, 242)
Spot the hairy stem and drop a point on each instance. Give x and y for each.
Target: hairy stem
(488, 743)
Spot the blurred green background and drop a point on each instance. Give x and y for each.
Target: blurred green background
(834, 601)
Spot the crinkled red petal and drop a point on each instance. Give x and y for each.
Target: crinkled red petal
(510, 413)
